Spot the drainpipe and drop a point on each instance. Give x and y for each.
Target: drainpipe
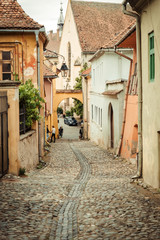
(39, 87)
(125, 101)
(138, 33)
(87, 105)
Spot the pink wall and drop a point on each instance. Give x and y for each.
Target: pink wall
(48, 89)
(130, 135)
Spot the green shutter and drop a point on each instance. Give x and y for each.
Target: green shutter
(151, 57)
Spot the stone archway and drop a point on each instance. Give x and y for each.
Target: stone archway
(58, 97)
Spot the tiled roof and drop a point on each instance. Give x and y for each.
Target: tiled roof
(98, 23)
(54, 42)
(47, 72)
(121, 35)
(86, 72)
(12, 16)
(50, 54)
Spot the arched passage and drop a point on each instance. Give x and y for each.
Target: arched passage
(58, 97)
(111, 126)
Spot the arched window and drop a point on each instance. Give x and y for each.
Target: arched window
(69, 59)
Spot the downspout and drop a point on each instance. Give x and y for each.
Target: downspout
(87, 105)
(39, 87)
(125, 101)
(138, 38)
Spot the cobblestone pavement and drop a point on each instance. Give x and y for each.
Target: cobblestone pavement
(82, 193)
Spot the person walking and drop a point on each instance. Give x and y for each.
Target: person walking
(48, 134)
(53, 133)
(61, 132)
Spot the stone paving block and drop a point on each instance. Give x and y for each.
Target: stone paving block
(82, 193)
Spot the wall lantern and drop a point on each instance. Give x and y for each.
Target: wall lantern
(64, 69)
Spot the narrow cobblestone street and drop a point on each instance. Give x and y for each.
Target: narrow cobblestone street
(84, 193)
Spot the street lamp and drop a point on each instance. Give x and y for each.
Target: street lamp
(64, 69)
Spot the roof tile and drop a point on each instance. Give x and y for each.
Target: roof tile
(12, 16)
(47, 72)
(121, 35)
(98, 23)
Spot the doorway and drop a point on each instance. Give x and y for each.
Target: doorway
(111, 126)
(4, 163)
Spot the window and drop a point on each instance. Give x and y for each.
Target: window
(151, 57)
(6, 65)
(101, 117)
(69, 58)
(95, 114)
(92, 111)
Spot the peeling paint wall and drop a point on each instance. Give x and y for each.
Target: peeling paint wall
(25, 56)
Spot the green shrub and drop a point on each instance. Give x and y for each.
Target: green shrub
(59, 110)
(68, 113)
(29, 97)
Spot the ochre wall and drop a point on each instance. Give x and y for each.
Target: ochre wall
(27, 42)
(13, 128)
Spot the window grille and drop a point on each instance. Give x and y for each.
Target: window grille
(151, 57)
(22, 120)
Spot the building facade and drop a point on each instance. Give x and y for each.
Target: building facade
(21, 51)
(148, 63)
(109, 77)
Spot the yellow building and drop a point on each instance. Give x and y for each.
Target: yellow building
(21, 51)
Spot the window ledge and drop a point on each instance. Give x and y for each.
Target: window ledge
(27, 134)
(9, 83)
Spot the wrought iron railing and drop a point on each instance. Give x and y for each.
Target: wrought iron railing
(22, 120)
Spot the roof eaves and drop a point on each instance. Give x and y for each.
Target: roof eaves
(100, 52)
(126, 35)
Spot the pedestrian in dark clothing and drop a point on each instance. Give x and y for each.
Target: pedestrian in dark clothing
(53, 133)
(81, 132)
(61, 132)
(48, 133)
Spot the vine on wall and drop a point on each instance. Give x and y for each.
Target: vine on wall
(29, 97)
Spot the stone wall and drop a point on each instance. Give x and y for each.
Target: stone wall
(28, 150)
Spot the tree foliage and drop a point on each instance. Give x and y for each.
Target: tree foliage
(78, 106)
(30, 98)
(60, 110)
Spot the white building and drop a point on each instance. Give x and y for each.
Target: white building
(110, 73)
(86, 27)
